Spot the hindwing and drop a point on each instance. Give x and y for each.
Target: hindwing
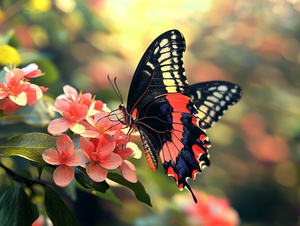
(169, 130)
(212, 99)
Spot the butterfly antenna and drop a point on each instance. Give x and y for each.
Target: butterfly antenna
(115, 88)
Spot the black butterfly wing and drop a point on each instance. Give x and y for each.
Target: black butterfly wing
(159, 71)
(212, 99)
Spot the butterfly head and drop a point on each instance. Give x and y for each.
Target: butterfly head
(129, 118)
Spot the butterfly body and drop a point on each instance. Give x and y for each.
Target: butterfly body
(170, 114)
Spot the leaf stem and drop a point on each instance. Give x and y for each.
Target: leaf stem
(16, 177)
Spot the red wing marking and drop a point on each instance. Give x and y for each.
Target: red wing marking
(197, 152)
(194, 173)
(171, 172)
(171, 149)
(134, 113)
(178, 102)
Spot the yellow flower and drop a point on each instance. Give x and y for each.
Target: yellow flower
(9, 55)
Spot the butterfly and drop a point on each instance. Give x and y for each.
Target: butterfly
(171, 115)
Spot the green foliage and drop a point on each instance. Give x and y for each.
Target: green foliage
(57, 210)
(29, 146)
(137, 188)
(16, 207)
(84, 180)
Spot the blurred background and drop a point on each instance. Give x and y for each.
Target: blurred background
(255, 146)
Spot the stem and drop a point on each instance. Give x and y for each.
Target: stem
(16, 177)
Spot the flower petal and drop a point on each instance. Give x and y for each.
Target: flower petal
(63, 175)
(61, 105)
(78, 158)
(111, 161)
(106, 145)
(64, 144)
(39, 92)
(8, 106)
(96, 172)
(31, 96)
(58, 126)
(50, 156)
(70, 92)
(20, 99)
(76, 127)
(86, 145)
(137, 153)
(128, 171)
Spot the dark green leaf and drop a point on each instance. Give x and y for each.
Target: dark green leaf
(84, 180)
(16, 208)
(137, 188)
(57, 210)
(29, 146)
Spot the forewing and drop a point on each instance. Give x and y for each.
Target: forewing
(212, 99)
(160, 70)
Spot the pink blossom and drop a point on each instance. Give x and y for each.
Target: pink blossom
(102, 158)
(31, 71)
(72, 113)
(71, 94)
(8, 106)
(100, 124)
(65, 156)
(19, 90)
(126, 151)
(15, 90)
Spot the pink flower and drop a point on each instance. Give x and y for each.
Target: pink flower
(65, 157)
(102, 158)
(18, 91)
(71, 94)
(31, 71)
(72, 113)
(126, 150)
(8, 106)
(209, 211)
(100, 124)
(74, 108)
(15, 89)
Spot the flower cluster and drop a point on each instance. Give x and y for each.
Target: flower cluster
(104, 146)
(17, 90)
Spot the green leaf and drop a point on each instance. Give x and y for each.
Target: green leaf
(137, 188)
(84, 180)
(16, 208)
(57, 210)
(29, 146)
